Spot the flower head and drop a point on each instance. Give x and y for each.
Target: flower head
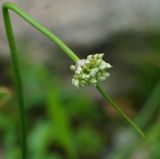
(90, 71)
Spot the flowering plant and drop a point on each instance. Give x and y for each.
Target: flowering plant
(88, 71)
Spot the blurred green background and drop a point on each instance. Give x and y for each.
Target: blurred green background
(69, 123)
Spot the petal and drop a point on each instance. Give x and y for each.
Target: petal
(105, 74)
(100, 55)
(93, 81)
(89, 57)
(76, 83)
(102, 67)
(101, 78)
(95, 55)
(72, 67)
(98, 62)
(108, 65)
(93, 72)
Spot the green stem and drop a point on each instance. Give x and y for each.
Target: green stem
(9, 6)
(118, 110)
(12, 45)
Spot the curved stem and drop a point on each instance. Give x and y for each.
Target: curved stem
(19, 90)
(118, 110)
(12, 45)
(9, 6)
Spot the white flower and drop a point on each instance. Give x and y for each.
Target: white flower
(90, 71)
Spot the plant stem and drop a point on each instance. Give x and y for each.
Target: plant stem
(37, 26)
(12, 45)
(118, 110)
(18, 82)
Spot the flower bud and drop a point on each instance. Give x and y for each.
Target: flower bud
(101, 78)
(72, 67)
(90, 71)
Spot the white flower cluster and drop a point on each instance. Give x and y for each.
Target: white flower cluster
(90, 71)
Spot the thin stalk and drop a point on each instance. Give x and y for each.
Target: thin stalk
(10, 6)
(18, 82)
(118, 110)
(12, 45)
